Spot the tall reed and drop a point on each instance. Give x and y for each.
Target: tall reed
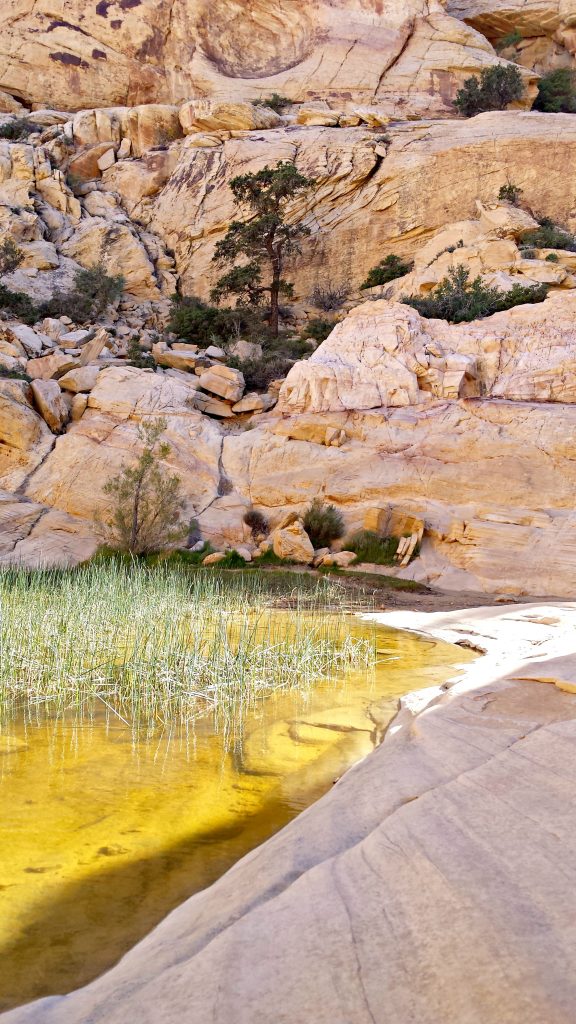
(159, 644)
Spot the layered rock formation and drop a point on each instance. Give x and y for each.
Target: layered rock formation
(433, 883)
(409, 56)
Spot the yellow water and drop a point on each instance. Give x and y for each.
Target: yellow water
(103, 833)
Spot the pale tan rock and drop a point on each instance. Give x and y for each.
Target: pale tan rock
(85, 165)
(82, 379)
(207, 116)
(213, 559)
(505, 220)
(108, 159)
(49, 367)
(318, 118)
(342, 559)
(293, 543)
(79, 405)
(178, 359)
(253, 402)
(223, 381)
(25, 439)
(399, 57)
(51, 403)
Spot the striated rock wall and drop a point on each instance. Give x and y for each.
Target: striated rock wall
(105, 52)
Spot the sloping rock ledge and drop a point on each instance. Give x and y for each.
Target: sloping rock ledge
(434, 883)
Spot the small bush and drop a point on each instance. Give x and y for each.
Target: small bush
(510, 193)
(318, 329)
(7, 374)
(459, 300)
(549, 236)
(10, 256)
(92, 292)
(203, 324)
(552, 257)
(387, 270)
(510, 39)
(497, 86)
(330, 297)
(19, 305)
(369, 546)
(275, 102)
(557, 92)
(19, 129)
(323, 524)
(278, 357)
(138, 357)
(231, 560)
(256, 521)
(527, 253)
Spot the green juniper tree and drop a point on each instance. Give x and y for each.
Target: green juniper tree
(147, 501)
(263, 240)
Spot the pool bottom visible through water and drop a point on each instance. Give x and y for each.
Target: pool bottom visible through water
(104, 832)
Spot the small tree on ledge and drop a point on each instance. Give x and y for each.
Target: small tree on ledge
(263, 239)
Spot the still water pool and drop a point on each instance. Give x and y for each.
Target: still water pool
(104, 831)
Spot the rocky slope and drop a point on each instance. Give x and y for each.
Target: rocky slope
(433, 883)
(466, 428)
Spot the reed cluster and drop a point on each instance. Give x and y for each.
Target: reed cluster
(161, 644)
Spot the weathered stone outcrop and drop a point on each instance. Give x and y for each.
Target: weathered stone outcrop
(411, 57)
(433, 883)
(545, 29)
(372, 198)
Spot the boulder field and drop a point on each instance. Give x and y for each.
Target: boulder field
(433, 883)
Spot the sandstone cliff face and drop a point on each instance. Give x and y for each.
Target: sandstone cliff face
(409, 56)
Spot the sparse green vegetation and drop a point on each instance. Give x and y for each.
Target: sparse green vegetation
(92, 292)
(510, 193)
(458, 300)
(512, 38)
(199, 322)
(497, 87)
(330, 297)
(278, 356)
(552, 257)
(323, 524)
(318, 329)
(387, 270)
(256, 521)
(549, 236)
(7, 374)
(276, 103)
(371, 547)
(137, 356)
(557, 92)
(19, 129)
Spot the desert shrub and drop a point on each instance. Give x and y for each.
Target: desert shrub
(323, 524)
(510, 39)
(203, 324)
(549, 236)
(458, 300)
(557, 92)
(387, 270)
(7, 374)
(527, 252)
(18, 305)
(92, 292)
(369, 546)
(275, 102)
(10, 256)
(330, 297)
(318, 329)
(146, 499)
(497, 86)
(19, 129)
(278, 357)
(256, 521)
(552, 257)
(510, 193)
(137, 356)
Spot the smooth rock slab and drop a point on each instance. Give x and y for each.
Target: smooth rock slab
(435, 883)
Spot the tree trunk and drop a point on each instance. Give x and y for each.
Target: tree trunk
(275, 254)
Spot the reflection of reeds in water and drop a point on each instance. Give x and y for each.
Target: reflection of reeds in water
(156, 645)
